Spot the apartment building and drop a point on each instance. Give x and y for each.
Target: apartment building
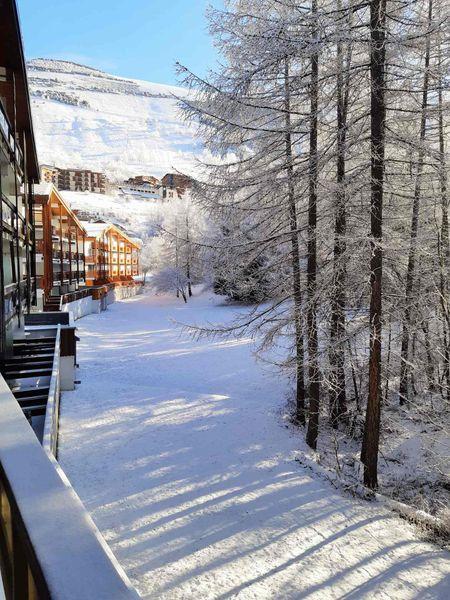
(141, 179)
(74, 180)
(79, 180)
(60, 240)
(49, 174)
(49, 547)
(175, 185)
(112, 256)
(143, 186)
(19, 170)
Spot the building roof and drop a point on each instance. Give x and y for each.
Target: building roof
(94, 229)
(12, 58)
(43, 189)
(48, 190)
(97, 230)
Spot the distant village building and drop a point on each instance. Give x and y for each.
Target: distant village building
(141, 179)
(78, 180)
(74, 180)
(175, 185)
(172, 186)
(49, 174)
(145, 186)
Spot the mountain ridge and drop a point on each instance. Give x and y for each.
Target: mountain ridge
(87, 118)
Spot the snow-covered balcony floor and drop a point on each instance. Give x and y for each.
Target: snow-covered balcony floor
(178, 451)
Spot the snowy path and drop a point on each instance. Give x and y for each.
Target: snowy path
(177, 449)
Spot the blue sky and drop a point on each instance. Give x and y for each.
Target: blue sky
(140, 39)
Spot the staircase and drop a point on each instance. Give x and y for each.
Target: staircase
(52, 303)
(28, 373)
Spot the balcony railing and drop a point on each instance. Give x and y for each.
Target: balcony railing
(74, 296)
(49, 545)
(8, 136)
(50, 438)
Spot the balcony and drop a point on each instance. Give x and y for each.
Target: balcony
(7, 134)
(53, 548)
(58, 255)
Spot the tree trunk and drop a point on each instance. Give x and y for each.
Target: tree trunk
(410, 273)
(313, 371)
(444, 253)
(295, 254)
(177, 258)
(188, 259)
(338, 399)
(369, 454)
(429, 354)
(388, 365)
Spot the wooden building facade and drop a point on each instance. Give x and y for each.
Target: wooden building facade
(60, 243)
(19, 170)
(112, 256)
(49, 547)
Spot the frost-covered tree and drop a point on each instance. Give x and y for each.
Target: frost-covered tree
(147, 257)
(178, 252)
(329, 202)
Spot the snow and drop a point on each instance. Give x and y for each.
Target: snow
(179, 450)
(94, 229)
(88, 119)
(77, 564)
(138, 216)
(43, 189)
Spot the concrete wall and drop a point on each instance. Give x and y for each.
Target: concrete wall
(67, 372)
(88, 306)
(80, 308)
(122, 293)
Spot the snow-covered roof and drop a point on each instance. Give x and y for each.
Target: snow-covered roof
(43, 189)
(49, 190)
(97, 229)
(94, 229)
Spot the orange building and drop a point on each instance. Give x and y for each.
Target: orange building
(60, 240)
(112, 256)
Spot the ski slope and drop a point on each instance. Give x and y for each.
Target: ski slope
(85, 118)
(179, 450)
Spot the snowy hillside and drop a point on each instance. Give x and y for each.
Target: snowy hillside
(138, 216)
(89, 119)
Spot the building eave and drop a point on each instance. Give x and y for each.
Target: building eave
(12, 57)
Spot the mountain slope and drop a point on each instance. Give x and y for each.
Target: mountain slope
(138, 216)
(89, 119)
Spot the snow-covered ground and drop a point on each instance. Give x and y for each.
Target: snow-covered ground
(179, 451)
(85, 118)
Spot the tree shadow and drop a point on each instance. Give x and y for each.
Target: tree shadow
(177, 452)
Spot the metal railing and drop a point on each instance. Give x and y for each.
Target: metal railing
(50, 438)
